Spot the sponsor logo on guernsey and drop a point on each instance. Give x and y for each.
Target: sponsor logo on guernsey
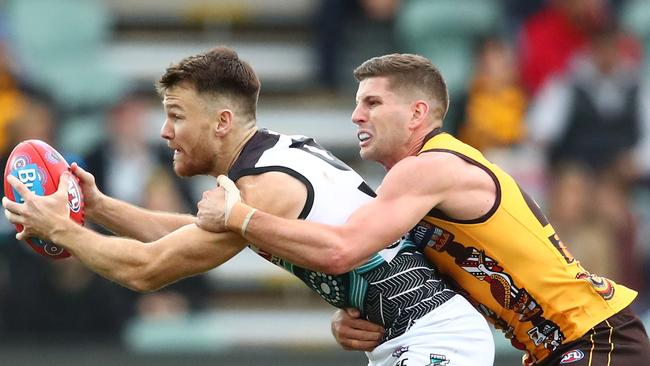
(426, 234)
(438, 360)
(398, 352)
(572, 356)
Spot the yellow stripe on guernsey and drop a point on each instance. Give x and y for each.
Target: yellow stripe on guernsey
(514, 268)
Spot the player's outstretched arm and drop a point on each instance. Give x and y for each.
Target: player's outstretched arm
(131, 263)
(125, 219)
(406, 195)
(147, 266)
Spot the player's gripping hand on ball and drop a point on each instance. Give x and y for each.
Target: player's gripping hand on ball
(40, 216)
(93, 197)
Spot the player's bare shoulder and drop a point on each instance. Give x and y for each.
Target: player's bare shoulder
(433, 170)
(455, 170)
(467, 189)
(274, 192)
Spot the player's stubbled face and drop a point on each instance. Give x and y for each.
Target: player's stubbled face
(187, 131)
(381, 117)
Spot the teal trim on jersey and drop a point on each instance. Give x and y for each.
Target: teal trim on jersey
(288, 266)
(372, 263)
(407, 244)
(358, 288)
(358, 284)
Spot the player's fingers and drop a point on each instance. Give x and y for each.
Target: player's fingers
(361, 335)
(64, 182)
(80, 172)
(22, 235)
(355, 345)
(355, 313)
(23, 191)
(14, 218)
(363, 325)
(12, 206)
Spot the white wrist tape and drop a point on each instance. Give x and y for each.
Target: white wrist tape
(237, 214)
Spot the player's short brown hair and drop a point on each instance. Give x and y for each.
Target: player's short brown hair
(407, 72)
(218, 72)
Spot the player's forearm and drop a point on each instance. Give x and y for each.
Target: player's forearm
(311, 245)
(120, 260)
(128, 220)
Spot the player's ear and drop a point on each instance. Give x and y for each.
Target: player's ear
(224, 122)
(420, 112)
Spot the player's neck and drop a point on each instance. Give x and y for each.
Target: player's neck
(233, 150)
(411, 148)
(422, 137)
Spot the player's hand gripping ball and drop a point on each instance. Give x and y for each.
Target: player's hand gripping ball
(39, 166)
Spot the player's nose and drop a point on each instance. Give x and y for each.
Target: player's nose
(359, 115)
(166, 131)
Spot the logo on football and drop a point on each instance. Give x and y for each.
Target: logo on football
(31, 177)
(52, 249)
(74, 195)
(53, 157)
(39, 167)
(20, 161)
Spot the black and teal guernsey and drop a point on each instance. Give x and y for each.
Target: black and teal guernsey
(396, 286)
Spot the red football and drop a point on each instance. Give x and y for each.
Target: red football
(39, 166)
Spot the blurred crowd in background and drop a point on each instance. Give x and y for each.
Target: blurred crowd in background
(554, 91)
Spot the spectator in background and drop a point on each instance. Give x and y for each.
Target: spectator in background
(493, 109)
(590, 121)
(518, 11)
(332, 21)
(551, 36)
(124, 161)
(490, 115)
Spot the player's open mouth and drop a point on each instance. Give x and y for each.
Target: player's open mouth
(363, 137)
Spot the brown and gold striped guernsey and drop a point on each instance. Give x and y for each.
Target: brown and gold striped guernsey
(513, 267)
